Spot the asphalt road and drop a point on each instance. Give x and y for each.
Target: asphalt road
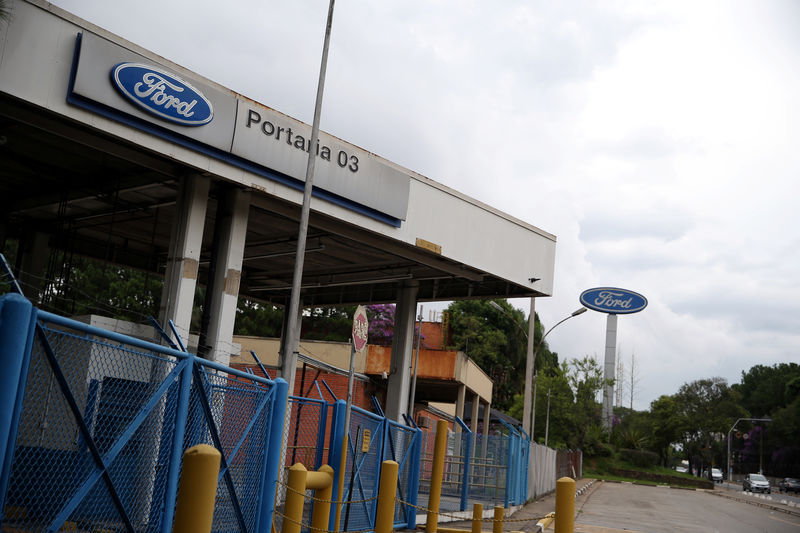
(614, 507)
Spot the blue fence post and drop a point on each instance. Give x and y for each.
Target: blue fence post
(321, 432)
(17, 325)
(413, 479)
(181, 420)
(335, 452)
(273, 456)
(467, 464)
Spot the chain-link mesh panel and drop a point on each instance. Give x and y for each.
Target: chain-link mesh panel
(362, 470)
(308, 421)
(95, 440)
(241, 412)
(399, 447)
(489, 470)
(121, 398)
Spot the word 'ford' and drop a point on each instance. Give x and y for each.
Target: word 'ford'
(613, 300)
(162, 94)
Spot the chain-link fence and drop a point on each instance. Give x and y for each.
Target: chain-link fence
(102, 425)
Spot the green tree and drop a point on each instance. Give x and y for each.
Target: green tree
(497, 342)
(666, 426)
(765, 389)
(707, 408)
(258, 319)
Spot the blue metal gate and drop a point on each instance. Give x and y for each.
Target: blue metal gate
(100, 421)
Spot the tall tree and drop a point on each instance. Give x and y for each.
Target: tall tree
(666, 425)
(707, 408)
(497, 342)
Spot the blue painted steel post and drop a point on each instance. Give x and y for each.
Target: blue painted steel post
(467, 461)
(17, 324)
(181, 420)
(509, 470)
(273, 456)
(412, 492)
(321, 432)
(335, 452)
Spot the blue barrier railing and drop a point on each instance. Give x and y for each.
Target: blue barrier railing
(98, 421)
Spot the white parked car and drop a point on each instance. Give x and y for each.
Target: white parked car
(756, 483)
(716, 475)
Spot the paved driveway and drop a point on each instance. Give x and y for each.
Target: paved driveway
(611, 507)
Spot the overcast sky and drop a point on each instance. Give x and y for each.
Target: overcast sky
(659, 141)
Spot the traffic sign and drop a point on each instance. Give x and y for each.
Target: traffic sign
(360, 328)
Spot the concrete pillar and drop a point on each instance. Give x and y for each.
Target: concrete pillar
(461, 399)
(183, 257)
(529, 364)
(232, 213)
(33, 252)
(402, 349)
(473, 419)
(609, 370)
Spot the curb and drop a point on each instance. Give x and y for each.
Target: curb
(749, 501)
(584, 488)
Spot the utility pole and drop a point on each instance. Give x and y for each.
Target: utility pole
(292, 347)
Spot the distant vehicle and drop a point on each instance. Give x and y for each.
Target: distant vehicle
(756, 483)
(789, 484)
(681, 469)
(716, 475)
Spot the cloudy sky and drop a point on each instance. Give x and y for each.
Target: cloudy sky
(659, 141)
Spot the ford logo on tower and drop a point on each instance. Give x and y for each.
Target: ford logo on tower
(613, 300)
(164, 95)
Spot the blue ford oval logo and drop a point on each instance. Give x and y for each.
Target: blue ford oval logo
(164, 95)
(613, 300)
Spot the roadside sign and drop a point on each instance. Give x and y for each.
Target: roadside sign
(613, 300)
(360, 328)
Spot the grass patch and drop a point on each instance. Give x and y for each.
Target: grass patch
(615, 469)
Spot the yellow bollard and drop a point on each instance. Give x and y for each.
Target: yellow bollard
(322, 482)
(477, 517)
(298, 481)
(295, 497)
(565, 505)
(197, 490)
(387, 490)
(499, 514)
(437, 473)
(342, 467)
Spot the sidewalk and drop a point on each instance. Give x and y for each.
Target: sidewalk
(525, 518)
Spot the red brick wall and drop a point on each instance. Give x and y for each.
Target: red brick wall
(338, 384)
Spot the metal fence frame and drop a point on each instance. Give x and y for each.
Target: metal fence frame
(188, 401)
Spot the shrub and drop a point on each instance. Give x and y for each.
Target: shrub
(640, 458)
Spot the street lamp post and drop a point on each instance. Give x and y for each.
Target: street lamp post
(730, 468)
(535, 353)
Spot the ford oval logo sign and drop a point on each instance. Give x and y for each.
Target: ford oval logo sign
(613, 300)
(162, 94)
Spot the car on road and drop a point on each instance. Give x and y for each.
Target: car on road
(716, 475)
(756, 483)
(789, 484)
